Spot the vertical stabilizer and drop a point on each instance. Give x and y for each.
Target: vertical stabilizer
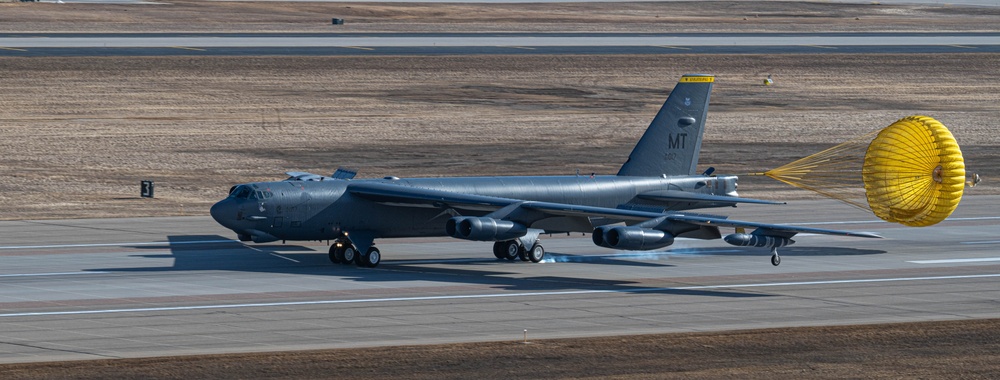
(671, 143)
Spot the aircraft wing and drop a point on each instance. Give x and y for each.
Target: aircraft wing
(530, 211)
(420, 197)
(781, 230)
(392, 194)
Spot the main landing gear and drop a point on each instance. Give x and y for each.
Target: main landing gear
(511, 250)
(343, 252)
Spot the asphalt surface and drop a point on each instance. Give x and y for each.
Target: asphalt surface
(84, 289)
(91, 44)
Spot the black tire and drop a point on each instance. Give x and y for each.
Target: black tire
(536, 254)
(349, 255)
(498, 250)
(511, 249)
(523, 254)
(333, 254)
(370, 259)
(775, 260)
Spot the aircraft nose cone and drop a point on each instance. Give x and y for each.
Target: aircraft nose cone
(224, 213)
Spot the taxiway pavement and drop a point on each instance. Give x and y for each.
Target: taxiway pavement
(110, 288)
(158, 44)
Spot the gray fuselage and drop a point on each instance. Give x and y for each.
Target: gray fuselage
(322, 210)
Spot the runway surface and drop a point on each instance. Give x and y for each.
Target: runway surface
(109, 288)
(95, 44)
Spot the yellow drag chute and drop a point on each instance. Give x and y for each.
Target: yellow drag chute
(912, 172)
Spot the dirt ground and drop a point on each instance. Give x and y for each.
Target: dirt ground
(80, 133)
(936, 350)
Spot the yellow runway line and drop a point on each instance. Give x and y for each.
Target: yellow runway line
(356, 47)
(14, 49)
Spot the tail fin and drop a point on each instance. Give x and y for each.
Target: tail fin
(671, 144)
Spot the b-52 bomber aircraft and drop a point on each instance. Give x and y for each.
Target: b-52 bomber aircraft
(640, 208)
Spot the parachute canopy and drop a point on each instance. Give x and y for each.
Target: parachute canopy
(912, 172)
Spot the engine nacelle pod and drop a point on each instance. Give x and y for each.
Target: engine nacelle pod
(636, 238)
(598, 236)
(484, 229)
(749, 240)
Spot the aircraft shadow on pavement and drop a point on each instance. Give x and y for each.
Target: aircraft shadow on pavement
(217, 253)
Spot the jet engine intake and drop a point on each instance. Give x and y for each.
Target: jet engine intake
(750, 240)
(484, 229)
(633, 238)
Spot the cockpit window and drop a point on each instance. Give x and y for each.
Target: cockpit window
(241, 192)
(247, 192)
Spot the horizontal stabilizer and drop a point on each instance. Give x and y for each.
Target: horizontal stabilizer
(685, 196)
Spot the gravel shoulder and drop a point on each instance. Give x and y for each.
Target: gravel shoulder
(951, 349)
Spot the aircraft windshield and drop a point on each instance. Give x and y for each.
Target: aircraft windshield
(241, 192)
(247, 192)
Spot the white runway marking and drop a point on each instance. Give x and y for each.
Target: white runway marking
(953, 261)
(48, 274)
(117, 244)
(274, 254)
(283, 257)
(501, 295)
(982, 242)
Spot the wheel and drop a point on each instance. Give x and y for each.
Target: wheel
(350, 254)
(537, 253)
(370, 259)
(333, 254)
(775, 259)
(498, 249)
(339, 255)
(511, 249)
(522, 254)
